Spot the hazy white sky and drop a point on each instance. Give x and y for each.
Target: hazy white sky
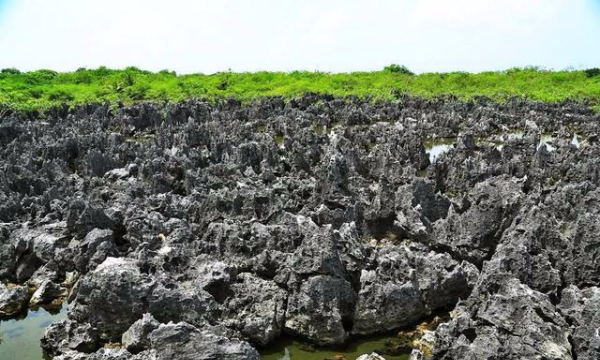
(327, 35)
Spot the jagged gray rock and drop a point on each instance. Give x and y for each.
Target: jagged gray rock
(112, 297)
(13, 300)
(67, 335)
(319, 217)
(514, 322)
(581, 309)
(47, 292)
(407, 284)
(135, 339)
(321, 310)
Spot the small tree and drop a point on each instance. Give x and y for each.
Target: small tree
(593, 72)
(399, 69)
(11, 71)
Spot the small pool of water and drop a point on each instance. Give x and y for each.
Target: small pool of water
(20, 338)
(435, 147)
(290, 349)
(575, 140)
(546, 140)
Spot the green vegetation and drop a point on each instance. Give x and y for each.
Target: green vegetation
(38, 90)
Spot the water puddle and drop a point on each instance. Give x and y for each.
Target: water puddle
(20, 338)
(546, 140)
(514, 134)
(575, 141)
(326, 130)
(289, 349)
(437, 146)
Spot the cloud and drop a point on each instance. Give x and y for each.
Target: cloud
(329, 35)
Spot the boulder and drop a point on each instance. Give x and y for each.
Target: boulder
(66, 336)
(256, 308)
(13, 300)
(321, 310)
(97, 245)
(112, 297)
(135, 339)
(185, 342)
(407, 284)
(47, 292)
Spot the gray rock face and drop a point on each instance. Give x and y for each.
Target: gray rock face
(102, 354)
(135, 339)
(13, 300)
(474, 230)
(581, 309)
(256, 308)
(67, 336)
(47, 292)
(321, 310)
(83, 218)
(514, 322)
(35, 247)
(97, 245)
(171, 301)
(7, 254)
(408, 284)
(227, 224)
(184, 342)
(112, 297)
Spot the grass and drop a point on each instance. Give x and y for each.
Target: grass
(39, 90)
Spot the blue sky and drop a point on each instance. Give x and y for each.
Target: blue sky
(326, 35)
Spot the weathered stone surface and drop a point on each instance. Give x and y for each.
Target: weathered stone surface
(407, 284)
(13, 300)
(67, 335)
(256, 308)
(135, 339)
(47, 292)
(102, 354)
(97, 245)
(318, 217)
(184, 342)
(372, 356)
(581, 309)
(514, 322)
(321, 310)
(112, 297)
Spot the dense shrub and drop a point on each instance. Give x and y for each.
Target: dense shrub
(593, 72)
(11, 71)
(400, 69)
(37, 90)
(138, 91)
(60, 96)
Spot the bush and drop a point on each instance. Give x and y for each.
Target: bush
(138, 91)
(11, 71)
(398, 69)
(128, 79)
(82, 77)
(168, 72)
(102, 71)
(60, 95)
(35, 93)
(593, 72)
(40, 77)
